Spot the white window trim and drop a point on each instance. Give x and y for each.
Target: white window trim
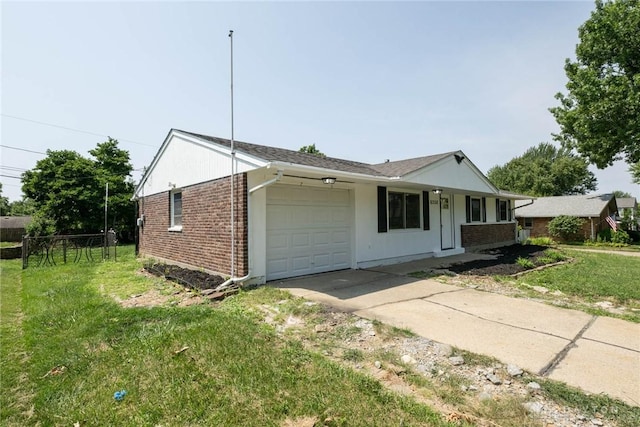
(173, 227)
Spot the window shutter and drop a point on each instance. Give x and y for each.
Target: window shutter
(509, 210)
(425, 211)
(468, 201)
(484, 209)
(497, 210)
(382, 209)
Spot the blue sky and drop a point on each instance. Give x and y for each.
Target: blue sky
(365, 81)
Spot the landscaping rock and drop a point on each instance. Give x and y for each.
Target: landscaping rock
(377, 364)
(533, 386)
(494, 379)
(408, 360)
(444, 350)
(514, 370)
(456, 360)
(533, 407)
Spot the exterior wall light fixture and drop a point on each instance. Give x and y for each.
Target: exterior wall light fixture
(329, 180)
(437, 191)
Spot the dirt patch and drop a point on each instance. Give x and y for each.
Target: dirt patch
(504, 263)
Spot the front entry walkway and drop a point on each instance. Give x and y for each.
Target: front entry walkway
(597, 354)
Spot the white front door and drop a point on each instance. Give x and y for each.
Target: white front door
(308, 230)
(446, 221)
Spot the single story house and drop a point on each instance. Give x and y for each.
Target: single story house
(12, 228)
(296, 214)
(592, 208)
(628, 206)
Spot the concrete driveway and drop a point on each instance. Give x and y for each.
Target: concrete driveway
(597, 354)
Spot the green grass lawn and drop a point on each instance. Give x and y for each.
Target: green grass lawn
(67, 346)
(593, 276)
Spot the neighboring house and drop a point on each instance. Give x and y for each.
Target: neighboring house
(594, 209)
(628, 206)
(12, 228)
(296, 213)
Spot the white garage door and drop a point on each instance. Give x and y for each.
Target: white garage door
(308, 230)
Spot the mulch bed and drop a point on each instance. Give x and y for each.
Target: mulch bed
(505, 262)
(188, 278)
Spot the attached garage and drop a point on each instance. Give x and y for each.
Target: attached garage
(309, 230)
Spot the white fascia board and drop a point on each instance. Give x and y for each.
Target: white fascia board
(287, 166)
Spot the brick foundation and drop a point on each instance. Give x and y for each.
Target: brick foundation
(485, 236)
(205, 239)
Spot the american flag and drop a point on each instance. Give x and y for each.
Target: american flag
(612, 223)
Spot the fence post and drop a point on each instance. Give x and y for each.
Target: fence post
(64, 251)
(25, 249)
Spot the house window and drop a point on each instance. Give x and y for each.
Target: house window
(404, 210)
(176, 210)
(503, 210)
(528, 223)
(476, 209)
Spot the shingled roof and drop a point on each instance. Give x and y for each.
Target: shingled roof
(590, 205)
(404, 167)
(274, 154)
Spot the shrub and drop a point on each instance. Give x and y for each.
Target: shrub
(620, 236)
(604, 235)
(566, 227)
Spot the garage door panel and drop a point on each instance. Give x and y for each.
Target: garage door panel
(278, 267)
(308, 230)
(301, 264)
(321, 262)
(300, 241)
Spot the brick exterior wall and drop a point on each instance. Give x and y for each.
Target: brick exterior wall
(205, 239)
(540, 227)
(476, 237)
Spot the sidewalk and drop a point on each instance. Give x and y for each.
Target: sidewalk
(597, 354)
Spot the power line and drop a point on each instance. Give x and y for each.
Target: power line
(10, 176)
(75, 130)
(12, 168)
(21, 149)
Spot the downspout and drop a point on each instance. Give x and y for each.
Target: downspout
(513, 214)
(234, 280)
(267, 183)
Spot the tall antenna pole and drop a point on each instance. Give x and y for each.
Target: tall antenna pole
(106, 210)
(233, 172)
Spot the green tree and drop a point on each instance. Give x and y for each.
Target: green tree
(114, 167)
(544, 170)
(68, 190)
(621, 194)
(635, 173)
(311, 149)
(600, 115)
(4, 203)
(22, 207)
